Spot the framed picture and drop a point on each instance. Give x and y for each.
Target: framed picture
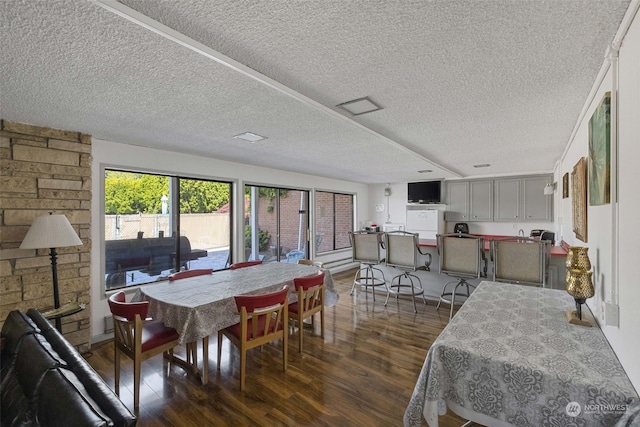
(600, 153)
(565, 185)
(579, 199)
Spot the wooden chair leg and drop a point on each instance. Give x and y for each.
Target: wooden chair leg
(243, 367)
(116, 368)
(219, 348)
(285, 348)
(300, 334)
(205, 360)
(136, 382)
(322, 322)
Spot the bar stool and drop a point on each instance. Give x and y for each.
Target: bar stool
(461, 257)
(366, 250)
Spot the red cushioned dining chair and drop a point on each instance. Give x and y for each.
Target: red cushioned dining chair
(137, 337)
(192, 347)
(310, 290)
(262, 320)
(238, 265)
(190, 273)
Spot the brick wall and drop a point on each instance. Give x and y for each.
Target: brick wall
(45, 170)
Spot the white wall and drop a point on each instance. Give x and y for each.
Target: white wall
(111, 154)
(625, 340)
(614, 248)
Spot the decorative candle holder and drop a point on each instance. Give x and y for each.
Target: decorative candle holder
(578, 258)
(579, 283)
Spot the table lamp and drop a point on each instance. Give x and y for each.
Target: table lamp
(579, 283)
(51, 231)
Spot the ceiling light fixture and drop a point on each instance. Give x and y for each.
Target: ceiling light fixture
(250, 136)
(360, 106)
(482, 165)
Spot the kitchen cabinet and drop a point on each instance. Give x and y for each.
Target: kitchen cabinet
(470, 201)
(481, 201)
(458, 201)
(522, 199)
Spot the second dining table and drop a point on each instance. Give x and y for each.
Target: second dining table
(202, 305)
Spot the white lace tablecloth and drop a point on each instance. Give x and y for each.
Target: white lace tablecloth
(200, 306)
(510, 357)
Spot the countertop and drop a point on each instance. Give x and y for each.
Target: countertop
(559, 251)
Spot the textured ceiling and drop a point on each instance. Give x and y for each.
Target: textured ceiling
(460, 82)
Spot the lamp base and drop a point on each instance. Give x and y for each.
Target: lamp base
(572, 317)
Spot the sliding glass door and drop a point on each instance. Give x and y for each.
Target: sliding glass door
(156, 224)
(276, 224)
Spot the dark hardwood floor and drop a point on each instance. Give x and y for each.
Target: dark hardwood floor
(362, 374)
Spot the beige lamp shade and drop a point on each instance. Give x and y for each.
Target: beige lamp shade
(50, 231)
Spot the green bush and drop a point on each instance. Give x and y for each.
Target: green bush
(263, 238)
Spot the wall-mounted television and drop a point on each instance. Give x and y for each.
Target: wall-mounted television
(424, 192)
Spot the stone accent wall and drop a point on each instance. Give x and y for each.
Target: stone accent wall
(45, 170)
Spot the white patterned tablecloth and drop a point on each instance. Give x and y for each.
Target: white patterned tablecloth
(200, 306)
(510, 358)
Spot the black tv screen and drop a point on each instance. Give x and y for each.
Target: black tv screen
(424, 192)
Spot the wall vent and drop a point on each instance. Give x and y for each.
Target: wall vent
(108, 324)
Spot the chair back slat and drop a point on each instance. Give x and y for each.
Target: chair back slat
(190, 273)
(461, 256)
(520, 260)
(128, 310)
(366, 246)
(310, 291)
(402, 249)
(244, 264)
(261, 316)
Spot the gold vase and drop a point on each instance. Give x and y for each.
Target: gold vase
(579, 284)
(578, 258)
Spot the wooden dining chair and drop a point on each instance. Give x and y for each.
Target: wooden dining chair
(137, 337)
(262, 320)
(244, 264)
(310, 262)
(192, 347)
(190, 273)
(310, 290)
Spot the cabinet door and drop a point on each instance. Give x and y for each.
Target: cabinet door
(481, 206)
(537, 206)
(458, 201)
(507, 200)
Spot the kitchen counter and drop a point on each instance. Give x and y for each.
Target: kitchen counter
(556, 251)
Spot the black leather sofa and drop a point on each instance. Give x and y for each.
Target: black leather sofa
(46, 382)
(147, 255)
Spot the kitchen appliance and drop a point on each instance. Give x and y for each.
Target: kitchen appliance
(461, 228)
(548, 235)
(535, 233)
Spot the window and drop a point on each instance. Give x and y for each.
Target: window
(334, 220)
(145, 212)
(276, 224)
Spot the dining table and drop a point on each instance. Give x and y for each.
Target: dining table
(199, 306)
(509, 357)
